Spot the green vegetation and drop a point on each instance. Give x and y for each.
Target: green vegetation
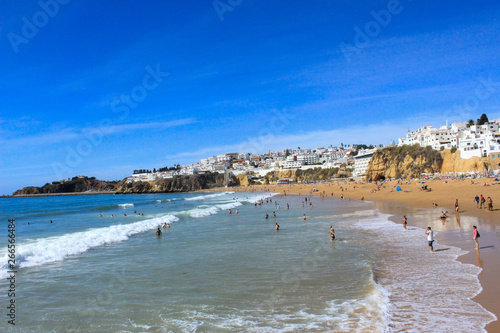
(359, 147)
(482, 120)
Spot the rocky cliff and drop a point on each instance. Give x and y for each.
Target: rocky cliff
(75, 185)
(411, 161)
(301, 176)
(176, 184)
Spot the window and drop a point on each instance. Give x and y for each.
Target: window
(493, 156)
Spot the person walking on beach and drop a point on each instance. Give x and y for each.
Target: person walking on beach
(456, 206)
(430, 238)
(475, 236)
(476, 199)
(482, 201)
(405, 221)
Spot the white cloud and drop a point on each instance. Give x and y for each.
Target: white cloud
(70, 134)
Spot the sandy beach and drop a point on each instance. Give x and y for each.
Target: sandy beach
(419, 206)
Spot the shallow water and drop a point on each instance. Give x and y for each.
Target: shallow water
(219, 272)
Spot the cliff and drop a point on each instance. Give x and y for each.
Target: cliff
(411, 161)
(301, 176)
(75, 185)
(176, 184)
(85, 184)
(453, 163)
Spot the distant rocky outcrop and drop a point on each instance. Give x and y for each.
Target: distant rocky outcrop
(74, 185)
(86, 184)
(176, 184)
(300, 176)
(411, 161)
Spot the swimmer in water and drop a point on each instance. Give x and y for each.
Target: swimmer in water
(267, 216)
(332, 233)
(304, 217)
(277, 227)
(158, 232)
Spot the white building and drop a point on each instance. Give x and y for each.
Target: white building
(361, 162)
(445, 137)
(480, 140)
(308, 158)
(292, 164)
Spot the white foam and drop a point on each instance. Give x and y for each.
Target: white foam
(360, 213)
(370, 314)
(363, 315)
(208, 196)
(202, 211)
(430, 292)
(50, 249)
(126, 205)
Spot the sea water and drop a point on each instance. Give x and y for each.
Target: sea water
(212, 271)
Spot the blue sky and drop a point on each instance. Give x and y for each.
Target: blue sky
(103, 88)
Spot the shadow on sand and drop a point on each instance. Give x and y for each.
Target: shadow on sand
(439, 250)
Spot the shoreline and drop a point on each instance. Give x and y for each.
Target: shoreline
(412, 201)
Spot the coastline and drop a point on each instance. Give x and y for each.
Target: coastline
(418, 206)
(56, 194)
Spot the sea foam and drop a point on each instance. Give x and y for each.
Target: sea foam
(50, 249)
(126, 205)
(429, 292)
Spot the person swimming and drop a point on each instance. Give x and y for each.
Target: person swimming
(158, 232)
(277, 227)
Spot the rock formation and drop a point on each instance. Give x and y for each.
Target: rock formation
(411, 161)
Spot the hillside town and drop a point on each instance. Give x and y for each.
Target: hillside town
(480, 139)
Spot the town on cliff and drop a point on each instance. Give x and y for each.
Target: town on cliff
(471, 147)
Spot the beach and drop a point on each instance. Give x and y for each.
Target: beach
(419, 206)
(223, 266)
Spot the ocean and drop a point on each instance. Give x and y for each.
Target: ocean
(212, 271)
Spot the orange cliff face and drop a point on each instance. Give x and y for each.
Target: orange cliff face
(396, 163)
